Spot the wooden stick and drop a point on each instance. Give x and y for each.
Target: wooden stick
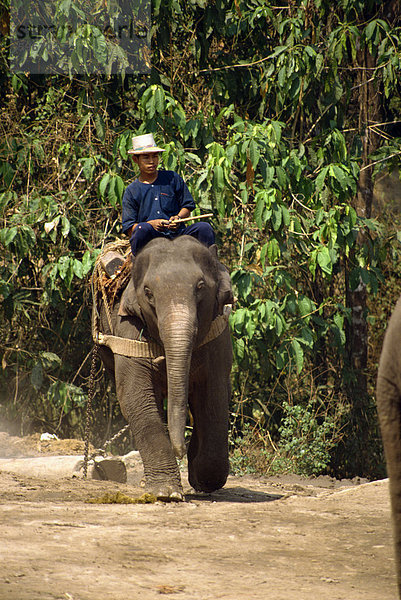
(194, 218)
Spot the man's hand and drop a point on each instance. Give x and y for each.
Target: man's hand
(172, 222)
(183, 214)
(159, 224)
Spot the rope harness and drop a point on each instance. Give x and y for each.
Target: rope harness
(110, 288)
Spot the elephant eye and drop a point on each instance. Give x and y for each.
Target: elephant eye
(200, 284)
(148, 294)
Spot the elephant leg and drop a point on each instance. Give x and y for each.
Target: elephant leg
(142, 408)
(389, 409)
(208, 464)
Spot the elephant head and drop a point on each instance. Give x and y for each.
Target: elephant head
(178, 287)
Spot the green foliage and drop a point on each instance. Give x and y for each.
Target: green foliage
(257, 106)
(305, 443)
(80, 38)
(296, 432)
(305, 446)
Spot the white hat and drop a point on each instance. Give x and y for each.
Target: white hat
(142, 144)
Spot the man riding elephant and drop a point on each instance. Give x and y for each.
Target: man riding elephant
(154, 203)
(167, 334)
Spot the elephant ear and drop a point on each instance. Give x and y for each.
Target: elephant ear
(224, 290)
(129, 306)
(214, 251)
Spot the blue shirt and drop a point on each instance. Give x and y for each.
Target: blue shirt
(161, 199)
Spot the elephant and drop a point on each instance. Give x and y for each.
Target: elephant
(175, 301)
(388, 398)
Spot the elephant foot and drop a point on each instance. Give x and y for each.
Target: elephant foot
(207, 487)
(207, 479)
(166, 492)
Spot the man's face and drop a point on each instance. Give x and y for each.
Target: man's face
(147, 163)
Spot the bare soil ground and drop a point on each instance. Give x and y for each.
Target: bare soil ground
(257, 539)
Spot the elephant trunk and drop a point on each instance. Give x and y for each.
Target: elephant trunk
(178, 331)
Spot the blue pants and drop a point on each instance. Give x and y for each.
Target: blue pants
(144, 232)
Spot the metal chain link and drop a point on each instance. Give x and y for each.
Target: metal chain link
(96, 283)
(91, 394)
(109, 442)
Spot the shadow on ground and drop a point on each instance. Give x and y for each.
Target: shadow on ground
(238, 495)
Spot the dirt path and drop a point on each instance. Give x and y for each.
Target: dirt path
(257, 539)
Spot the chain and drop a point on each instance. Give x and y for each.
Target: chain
(109, 442)
(91, 394)
(96, 283)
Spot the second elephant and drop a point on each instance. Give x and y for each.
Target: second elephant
(388, 396)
